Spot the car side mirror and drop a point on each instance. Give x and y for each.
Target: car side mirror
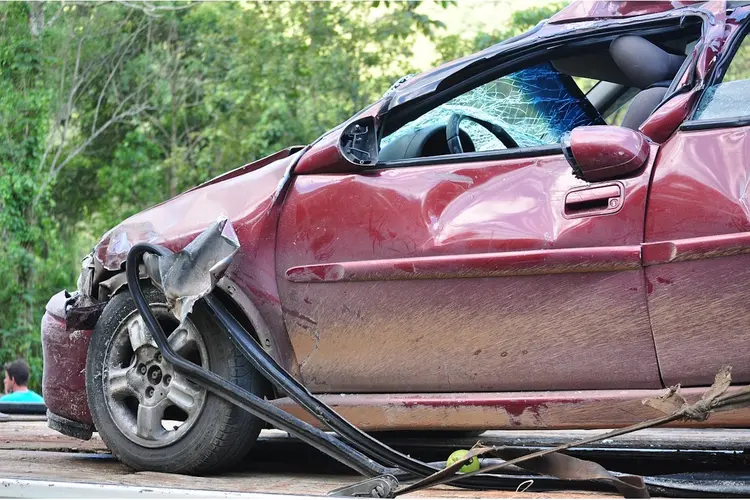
(604, 152)
(358, 142)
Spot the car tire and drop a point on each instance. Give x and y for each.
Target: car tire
(126, 397)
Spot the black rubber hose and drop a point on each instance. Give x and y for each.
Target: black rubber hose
(236, 394)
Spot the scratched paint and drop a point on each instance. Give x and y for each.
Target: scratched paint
(699, 211)
(359, 326)
(63, 382)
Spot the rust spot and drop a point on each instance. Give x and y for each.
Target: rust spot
(516, 408)
(665, 281)
(477, 352)
(649, 286)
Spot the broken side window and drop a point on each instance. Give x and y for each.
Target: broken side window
(730, 97)
(535, 105)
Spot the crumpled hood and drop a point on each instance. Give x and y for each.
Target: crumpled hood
(243, 195)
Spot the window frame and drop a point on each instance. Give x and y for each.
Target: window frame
(716, 77)
(521, 57)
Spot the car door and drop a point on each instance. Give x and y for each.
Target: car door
(698, 230)
(495, 270)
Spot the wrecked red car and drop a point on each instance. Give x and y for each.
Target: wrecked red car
(488, 246)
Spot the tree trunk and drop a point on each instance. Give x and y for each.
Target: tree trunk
(36, 18)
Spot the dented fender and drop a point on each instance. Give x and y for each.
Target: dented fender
(249, 198)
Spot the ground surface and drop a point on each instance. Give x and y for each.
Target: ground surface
(279, 464)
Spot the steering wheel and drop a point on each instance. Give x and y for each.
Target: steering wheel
(454, 141)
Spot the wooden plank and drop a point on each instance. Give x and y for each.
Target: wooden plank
(24, 434)
(35, 435)
(104, 469)
(278, 464)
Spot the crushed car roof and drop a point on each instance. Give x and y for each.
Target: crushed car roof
(577, 16)
(586, 10)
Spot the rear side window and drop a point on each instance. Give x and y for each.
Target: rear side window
(730, 97)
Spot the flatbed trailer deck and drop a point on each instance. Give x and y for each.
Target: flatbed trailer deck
(38, 462)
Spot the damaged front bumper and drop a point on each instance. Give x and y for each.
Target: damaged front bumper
(64, 376)
(65, 332)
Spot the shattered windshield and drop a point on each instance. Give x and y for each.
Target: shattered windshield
(535, 105)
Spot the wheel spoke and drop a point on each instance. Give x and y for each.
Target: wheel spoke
(182, 340)
(184, 394)
(139, 334)
(148, 422)
(119, 386)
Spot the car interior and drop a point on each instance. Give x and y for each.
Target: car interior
(627, 78)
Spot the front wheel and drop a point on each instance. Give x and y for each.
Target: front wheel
(151, 416)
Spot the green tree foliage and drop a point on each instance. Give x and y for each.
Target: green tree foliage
(31, 249)
(455, 46)
(108, 108)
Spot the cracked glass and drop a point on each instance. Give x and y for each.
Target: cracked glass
(535, 105)
(729, 98)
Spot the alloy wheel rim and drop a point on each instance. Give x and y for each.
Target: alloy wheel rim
(152, 404)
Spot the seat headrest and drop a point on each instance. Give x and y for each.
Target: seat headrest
(642, 106)
(642, 62)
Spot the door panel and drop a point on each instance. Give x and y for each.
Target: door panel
(464, 277)
(698, 232)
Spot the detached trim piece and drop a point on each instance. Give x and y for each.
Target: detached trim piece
(708, 247)
(523, 263)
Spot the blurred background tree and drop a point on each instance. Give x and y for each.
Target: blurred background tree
(108, 108)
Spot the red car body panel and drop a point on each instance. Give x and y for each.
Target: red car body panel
(63, 380)
(466, 279)
(460, 225)
(699, 203)
(254, 216)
